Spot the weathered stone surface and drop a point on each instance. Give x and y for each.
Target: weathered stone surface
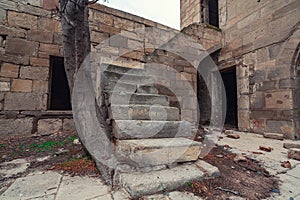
(289, 145)
(38, 3)
(9, 70)
(3, 15)
(25, 101)
(22, 20)
(40, 36)
(128, 78)
(40, 86)
(39, 62)
(183, 195)
(208, 169)
(138, 184)
(49, 126)
(21, 47)
(284, 127)
(132, 129)
(19, 85)
(35, 73)
(144, 112)
(125, 70)
(154, 152)
(32, 186)
(279, 100)
(4, 86)
(88, 187)
(68, 125)
(21, 126)
(294, 153)
(12, 168)
(50, 4)
(276, 136)
(141, 99)
(121, 195)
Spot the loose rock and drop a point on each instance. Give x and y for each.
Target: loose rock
(291, 145)
(286, 164)
(276, 136)
(233, 136)
(265, 148)
(294, 153)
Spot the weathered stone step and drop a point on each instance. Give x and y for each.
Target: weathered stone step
(123, 70)
(143, 112)
(155, 152)
(127, 78)
(117, 86)
(123, 98)
(139, 184)
(135, 129)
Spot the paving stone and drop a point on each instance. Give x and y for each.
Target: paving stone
(78, 188)
(46, 197)
(132, 129)
(156, 197)
(276, 136)
(104, 197)
(33, 186)
(154, 152)
(294, 153)
(290, 145)
(121, 195)
(9, 169)
(144, 112)
(183, 195)
(208, 169)
(139, 184)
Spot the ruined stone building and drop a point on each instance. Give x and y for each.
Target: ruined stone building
(255, 45)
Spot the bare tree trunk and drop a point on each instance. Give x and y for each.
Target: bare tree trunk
(76, 36)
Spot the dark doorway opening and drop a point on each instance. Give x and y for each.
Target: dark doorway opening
(213, 13)
(59, 89)
(230, 84)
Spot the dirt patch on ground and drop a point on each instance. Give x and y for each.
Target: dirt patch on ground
(240, 176)
(61, 152)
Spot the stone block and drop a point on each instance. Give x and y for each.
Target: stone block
(9, 70)
(133, 129)
(15, 59)
(25, 101)
(144, 112)
(243, 120)
(103, 18)
(138, 184)
(20, 85)
(50, 4)
(69, 125)
(21, 47)
(276, 136)
(51, 49)
(97, 37)
(40, 86)
(39, 62)
(294, 154)
(38, 3)
(20, 126)
(34, 73)
(155, 152)
(266, 85)
(3, 15)
(22, 20)
(284, 127)
(4, 86)
(208, 169)
(46, 24)
(257, 100)
(118, 41)
(40, 36)
(279, 100)
(289, 145)
(49, 126)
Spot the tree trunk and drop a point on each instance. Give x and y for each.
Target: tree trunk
(76, 36)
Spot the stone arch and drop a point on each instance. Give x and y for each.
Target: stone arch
(289, 60)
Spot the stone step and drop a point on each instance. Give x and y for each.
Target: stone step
(135, 129)
(127, 78)
(155, 152)
(139, 184)
(120, 86)
(143, 112)
(123, 98)
(123, 70)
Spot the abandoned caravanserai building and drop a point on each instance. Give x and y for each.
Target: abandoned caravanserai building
(255, 45)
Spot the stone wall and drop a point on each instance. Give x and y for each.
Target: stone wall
(261, 40)
(30, 33)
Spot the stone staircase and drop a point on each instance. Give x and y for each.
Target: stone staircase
(155, 148)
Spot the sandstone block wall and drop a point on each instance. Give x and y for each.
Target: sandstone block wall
(30, 33)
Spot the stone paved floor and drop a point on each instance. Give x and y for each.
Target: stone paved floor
(53, 186)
